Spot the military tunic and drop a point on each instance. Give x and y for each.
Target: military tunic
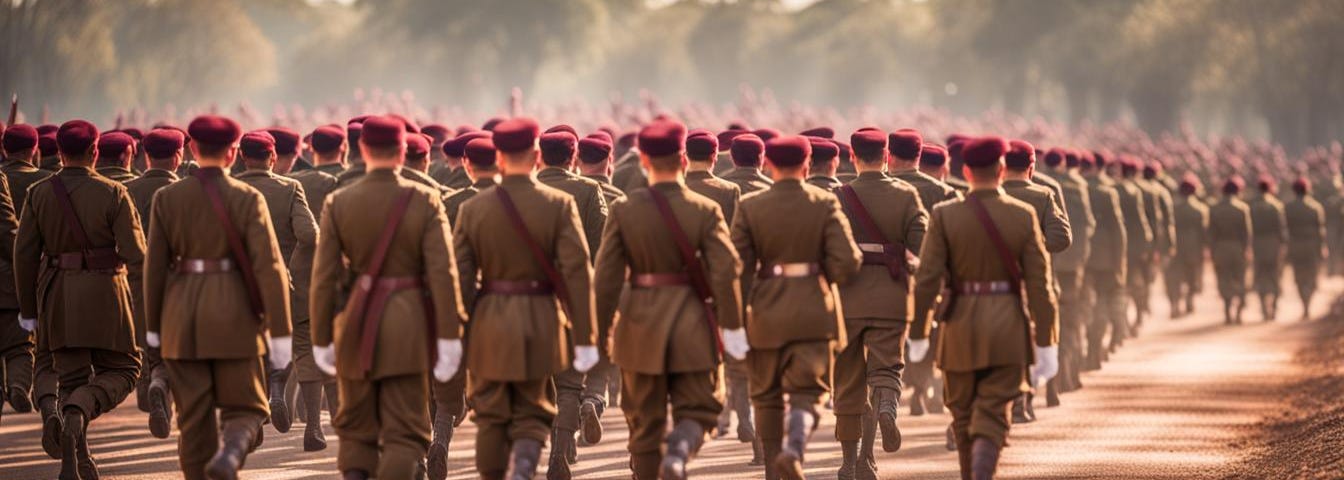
(1269, 237)
(1185, 272)
(749, 180)
(1306, 242)
(142, 192)
(1106, 269)
(116, 173)
(16, 344)
(1138, 247)
(1069, 265)
(1230, 233)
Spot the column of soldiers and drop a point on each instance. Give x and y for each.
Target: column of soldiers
(707, 294)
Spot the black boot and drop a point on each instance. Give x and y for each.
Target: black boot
(917, 399)
(1029, 405)
(72, 436)
(313, 438)
(51, 427)
(771, 449)
(18, 398)
(1052, 392)
(1020, 410)
(280, 418)
(886, 406)
(951, 440)
(867, 466)
(849, 457)
(789, 461)
(590, 422)
(437, 464)
(561, 443)
(523, 459)
(160, 410)
(984, 459)
(757, 454)
(682, 444)
(935, 403)
(235, 442)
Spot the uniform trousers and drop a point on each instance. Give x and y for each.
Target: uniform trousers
(644, 400)
(981, 402)
(874, 358)
(508, 411)
(94, 380)
(1184, 277)
(383, 424)
(1305, 273)
(736, 379)
(304, 366)
(798, 370)
(1139, 274)
(596, 382)
(1230, 267)
(1072, 324)
(1108, 310)
(568, 393)
(16, 352)
(1268, 272)
(234, 387)
(46, 382)
(450, 397)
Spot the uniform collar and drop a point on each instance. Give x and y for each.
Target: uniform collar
(159, 173)
(517, 180)
(986, 193)
(382, 174)
(255, 173)
(700, 174)
(75, 171)
(1016, 183)
(554, 172)
(484, 182)
(668, 187)
(598, 178)
(871, 175)
(789, 183)
(113, 168)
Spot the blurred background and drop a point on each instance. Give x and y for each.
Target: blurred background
(1266, 69)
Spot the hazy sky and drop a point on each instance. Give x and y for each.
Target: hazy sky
(791, 4)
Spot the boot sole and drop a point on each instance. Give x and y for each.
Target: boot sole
(280, 418)
(437, 464)
(51, 437)
(745, 434)
(592, 426)
(789, 467)
(891, 436)
(313, 443)
(159, 424)
(18, 399)
(69, 456)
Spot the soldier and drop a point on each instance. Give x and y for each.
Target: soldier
(889, 223)
(1138, 247)
(417, 163)
(1306, 241)
(163, 147)
(627, 175)
(824, 164)
(1106, 266)
(329, 148)
(406, 289)
(1068, 266)
(46, 145)
(527, 242)
(992, 248)
(78, 235)
(296, 234)
(115, 151)
(482, 168)
(16, 340)
(951, 171)
(1230, 235)
(746, 173)
(288, 149)
(595, 165)
(594, 154)
(1160, 211)
(355, 162)
(666, 341)
(1269, 236)
(1185, 273)
(796, 240)
(452, 174)
(439, 134)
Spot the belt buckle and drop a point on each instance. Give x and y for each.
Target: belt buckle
(365, 282)
(794, 270)
(872, 248)
(195, 265)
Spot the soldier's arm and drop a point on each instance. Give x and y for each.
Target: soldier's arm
(843, 257)
(156, 268)
(441, 272)
(268, 266)
(572, 259)
(916, 223)
(466, 264)
(326, 279)
(609, 272)
(305, 236)
(595, 217)
(126, 230)
(1041, 300)
(9, 223)
(723, 269)
(27, 256)
(929, 278)
(742, 243)
(1058, 233)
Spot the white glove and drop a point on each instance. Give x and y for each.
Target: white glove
(1047, 364)
(585, 357)
(735, 343)
(450, 359)
(918, 349)
(282, 352)
(28, 324)
(152, 339)
(325, 358)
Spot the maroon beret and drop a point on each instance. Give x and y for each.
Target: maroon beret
(1233, 186)
(47, 128)
(823, 132)
(627, 139)
(1100, 159)
(406, 123)
(702, 145)
(46, 145)
(747, 149)
(1054, 157)
(1302, 186)
(417, 146)
(1128, 166)
(662, 138)
(328, 138)
(956, 138)
(457, 147)
(1265, 183)
(286, 140)
(480, 151)
(823, 149)
(557, 148)
(214, 130)
(257, 145)
(135, 133)
(163, 142)
(602, 135)
(1189, 186)
(76, 137)
(846, 153)
(114, 144)
(20, 138)
(788, 151)
(868, 143)
(437, 132)
(984, 151)
(933, 156)
(726, 138)
(1021, 155)
(353, 131)
(563, 128)
(1149, 171)
(516, 135)
(383, 132)
(491, 123)
(358, 119)
(905, 144)
(594, 150)
(1084, 158)
(954, 148)
(767, 134)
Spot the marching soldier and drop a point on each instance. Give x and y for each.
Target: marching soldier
(402, 281)
(355, 162)
(1230, 235)
(1004, 317)
(603, 382)
(1306, 241)
(1160, 211)
(115, 151)
(1068, 266)
(1106, 266)
(452, 174)
(482, 168)
(795, 239)
(214, 325)
(746, 173)
(1185, 273)
(824, 164)
(526, 242)
(416, 164)
(595, 164)
(1138, 247)
(666, 341)
(889, 223)
(79, 232)
(1269, 236)
(46, 144)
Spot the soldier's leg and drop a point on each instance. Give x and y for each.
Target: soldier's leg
(594, 401)
(46, 393)
(1116, 308)
(160, 400)
(113, 378)
(995, 389)
(568, 392)
(738, 382)
(959, 397)
(1099, 320)
(1172, 280)
(357, 425)
(644, 403)
(533, 413)
(240, 394)
(492, 406)
(804, 381)
(1304, 276)
(851, 399)
(885, 365)
(194, 395)
(696, 401)
(403, 419)
(1070, 335)
(16, 351)
(767, 398)
(450, 410)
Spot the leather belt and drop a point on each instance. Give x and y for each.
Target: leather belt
(204, 265)
(517, 287)
(380, 292)
(651, 280)
(78, 261)
(789, 270)
(873, 247)
(985, 288)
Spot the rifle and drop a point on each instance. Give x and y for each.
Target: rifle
(13, 110)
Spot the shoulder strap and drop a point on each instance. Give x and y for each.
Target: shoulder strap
(693, 267)
(516, 219)
(996, 237)
(851, 202)
(71, 219)
(236, 245)
(374, 268)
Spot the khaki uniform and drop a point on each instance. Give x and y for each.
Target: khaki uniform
(117, 174)
(350, 175)
(1185, 272)
(609, 192)
(451, 397)
(1230, 234)
(84, 316)
(877, 307)
(142, 192)
(987, 339)
(455, 179)
(1049, 212)
(825, 183)
(1139, 252)
(1069, 265)
(317, 185)
(510, 387)
(628, 175)
(793, 322)
(1306, 242)
(383, 419)
(212, 342)
(1106, 268)
(454, 202)
(665, 349)
(1270, 234)
(748, 179)
(16, 344)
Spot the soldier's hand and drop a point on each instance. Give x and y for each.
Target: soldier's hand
(585, 357)
(152, 339)
(1047, 364)
(325, 358)
(450, 359)
(735, 343)
(917, 349)
(282, 351)
(28, 324)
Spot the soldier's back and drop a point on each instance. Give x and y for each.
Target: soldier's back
(316, 186)
(1191, 219)
(21, 176)
(117, 174)
(749, 180)
(283, 195)
(1306, 228)
(721, 191)
(931, 191)
(1043, 201)
(142, 190)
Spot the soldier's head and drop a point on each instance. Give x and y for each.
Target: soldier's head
(329, 145)
(258, 150)
(382, 142)
(662, 149)
(1020, 161)
(595, 155)
(1302, 186)
(983, 163)
(214, 140)
(747, 150)
(870, 149)
(20, 143)
(825, 156)
(115, 149)
(1055, 159)
(1232, 187)
(438, 135)
(77, 142)
(702, 149)
(933, 161)
(288, 147)
(163, 147)
(515, 141)
(1189, 185)
(788, 157)
(558, 148)
(454, 150)
(418, 146)
(905, 145)
(482, 159)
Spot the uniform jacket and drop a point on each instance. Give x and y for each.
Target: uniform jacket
(1157, 199)
(78, 308)
(295, 229)
(455, 201)
(931, 191)
(487, 244)
(1306, 230)
(1138, 232)
(896, 209)
(18, 177)
(628, 175)
(721, 191)
(1191, 219)
(609, 192)
(1109, 242)
(985, 330)
(455, 178)
(316, 186)
(663, 329)
(793, 222)
(1078, 210)
(1230, 231)
(119, 174)
(142, 190)
(1269, 228)
(351, 226)
(350, 175)
(825, 183)
(1058, 233)
(588, 198)
(748, 179)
